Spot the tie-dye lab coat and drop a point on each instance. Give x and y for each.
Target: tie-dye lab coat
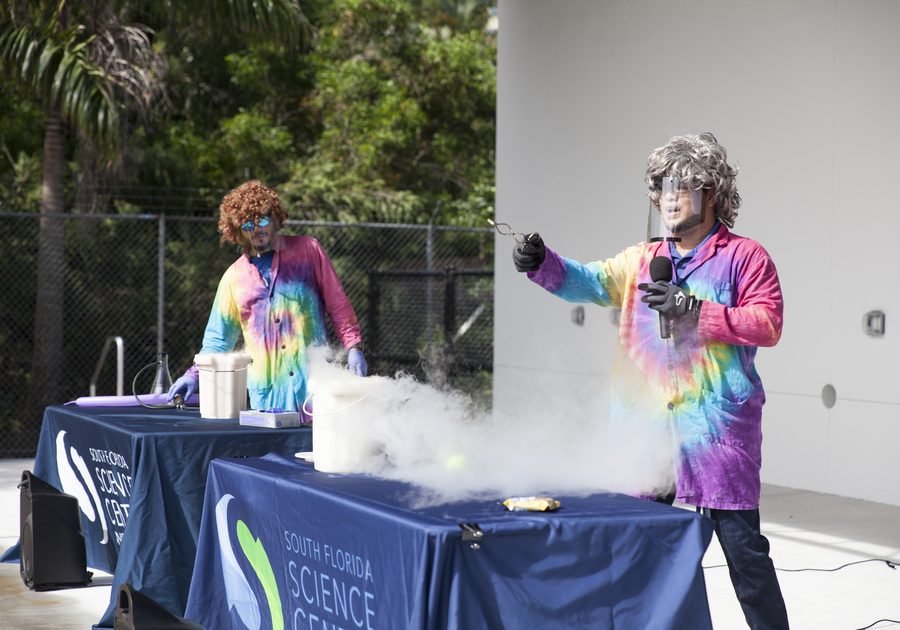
(701, 382)
(279, 322)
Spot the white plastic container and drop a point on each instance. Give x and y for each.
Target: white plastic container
(271, 419)
(343, 441)
(223, 384)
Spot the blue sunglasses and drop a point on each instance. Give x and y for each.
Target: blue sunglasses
(250, 225)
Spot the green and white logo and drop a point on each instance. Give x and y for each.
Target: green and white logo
(238, 592)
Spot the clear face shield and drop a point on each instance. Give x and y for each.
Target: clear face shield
(259, 236)
(680, 207)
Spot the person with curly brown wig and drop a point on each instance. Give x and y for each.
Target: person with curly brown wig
(276, 295)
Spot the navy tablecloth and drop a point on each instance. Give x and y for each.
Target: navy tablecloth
(284, 546)
(140, 475)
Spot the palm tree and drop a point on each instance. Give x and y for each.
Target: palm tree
(92, 71)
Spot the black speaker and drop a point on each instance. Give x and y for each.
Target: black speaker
(51, 545)
(136, 611)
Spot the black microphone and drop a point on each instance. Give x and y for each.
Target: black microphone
(661, 271)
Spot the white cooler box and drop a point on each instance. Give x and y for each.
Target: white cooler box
(271, 419)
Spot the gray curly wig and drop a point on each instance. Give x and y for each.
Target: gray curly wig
(702, 161)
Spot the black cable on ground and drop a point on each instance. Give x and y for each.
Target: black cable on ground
(892, 564)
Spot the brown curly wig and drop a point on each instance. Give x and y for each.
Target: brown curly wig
(248, 202)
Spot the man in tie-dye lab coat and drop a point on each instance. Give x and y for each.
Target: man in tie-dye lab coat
(276, 295)
(690, 326)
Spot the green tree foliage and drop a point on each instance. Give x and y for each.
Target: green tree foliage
(21, 136)
(407, 111)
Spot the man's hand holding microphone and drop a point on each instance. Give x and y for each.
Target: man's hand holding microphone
(669, 300)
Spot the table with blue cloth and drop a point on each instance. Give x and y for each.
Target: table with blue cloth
(285, 546)
(139, 476)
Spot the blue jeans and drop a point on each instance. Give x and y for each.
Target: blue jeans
(750, 567)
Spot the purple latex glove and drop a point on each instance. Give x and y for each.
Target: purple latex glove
(356, 361)
(186, 386)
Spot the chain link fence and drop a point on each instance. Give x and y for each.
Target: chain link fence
(144, 284)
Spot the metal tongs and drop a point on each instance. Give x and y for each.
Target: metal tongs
(504, 230)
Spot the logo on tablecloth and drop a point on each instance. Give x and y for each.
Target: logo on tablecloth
(238, 592)
(76, 480)
(313, 583)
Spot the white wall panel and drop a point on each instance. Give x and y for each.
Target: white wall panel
(863, 454)
(796, 441)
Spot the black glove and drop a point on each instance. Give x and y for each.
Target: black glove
(670, 299)
(529, 255)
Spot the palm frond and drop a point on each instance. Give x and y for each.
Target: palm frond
(59, 73)
(282, 20)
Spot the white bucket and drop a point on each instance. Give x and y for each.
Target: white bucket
(223, 384)
(342, 436)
